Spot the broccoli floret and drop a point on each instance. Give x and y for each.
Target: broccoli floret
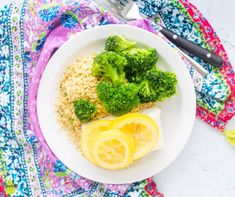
(146, 92)
(118, 43)
(110, 65)
(139, 62)
(84, 110)
(157, 85)
(118, 100)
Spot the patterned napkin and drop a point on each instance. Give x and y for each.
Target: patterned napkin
(216, 95)
(30, 32)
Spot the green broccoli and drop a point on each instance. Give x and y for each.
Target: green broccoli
(118, 43)
(110, 65)
(84, 110)
(139, 62)
(157, 85)
(146, 92)
(118, 100)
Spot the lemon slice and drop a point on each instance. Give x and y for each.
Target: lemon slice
(230, 136)
(143, 129)
(89, 133)
(113, 150)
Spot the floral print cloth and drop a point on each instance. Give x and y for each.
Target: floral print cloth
(216, 95)
(30, 32)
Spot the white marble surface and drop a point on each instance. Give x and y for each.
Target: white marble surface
(206, 166)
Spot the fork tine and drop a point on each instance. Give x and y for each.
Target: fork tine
(123, 2)
(131, 11)
(116, 5)
(127, 6)
(128, 11)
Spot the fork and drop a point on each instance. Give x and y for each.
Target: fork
(130, 11)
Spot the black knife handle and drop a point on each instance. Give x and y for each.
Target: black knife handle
(192, 48)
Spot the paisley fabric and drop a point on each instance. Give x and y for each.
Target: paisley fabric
(48, 13)
(30, 32)
(215, 93)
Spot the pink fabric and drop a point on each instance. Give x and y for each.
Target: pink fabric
(213, 40)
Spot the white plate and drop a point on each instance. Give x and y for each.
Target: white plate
(178, 112)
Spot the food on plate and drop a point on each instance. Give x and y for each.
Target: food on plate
(115, 144)
(89, 133)
(118, 100)
(142, 128)
(84, 110)
(140, 60)
(113, 150)
(155, 113)
(132, 74)
(115, 85)
(110, 66)
(78, 82)
(118, 43)
(157, 85)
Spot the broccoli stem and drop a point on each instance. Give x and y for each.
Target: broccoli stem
(116, 78)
